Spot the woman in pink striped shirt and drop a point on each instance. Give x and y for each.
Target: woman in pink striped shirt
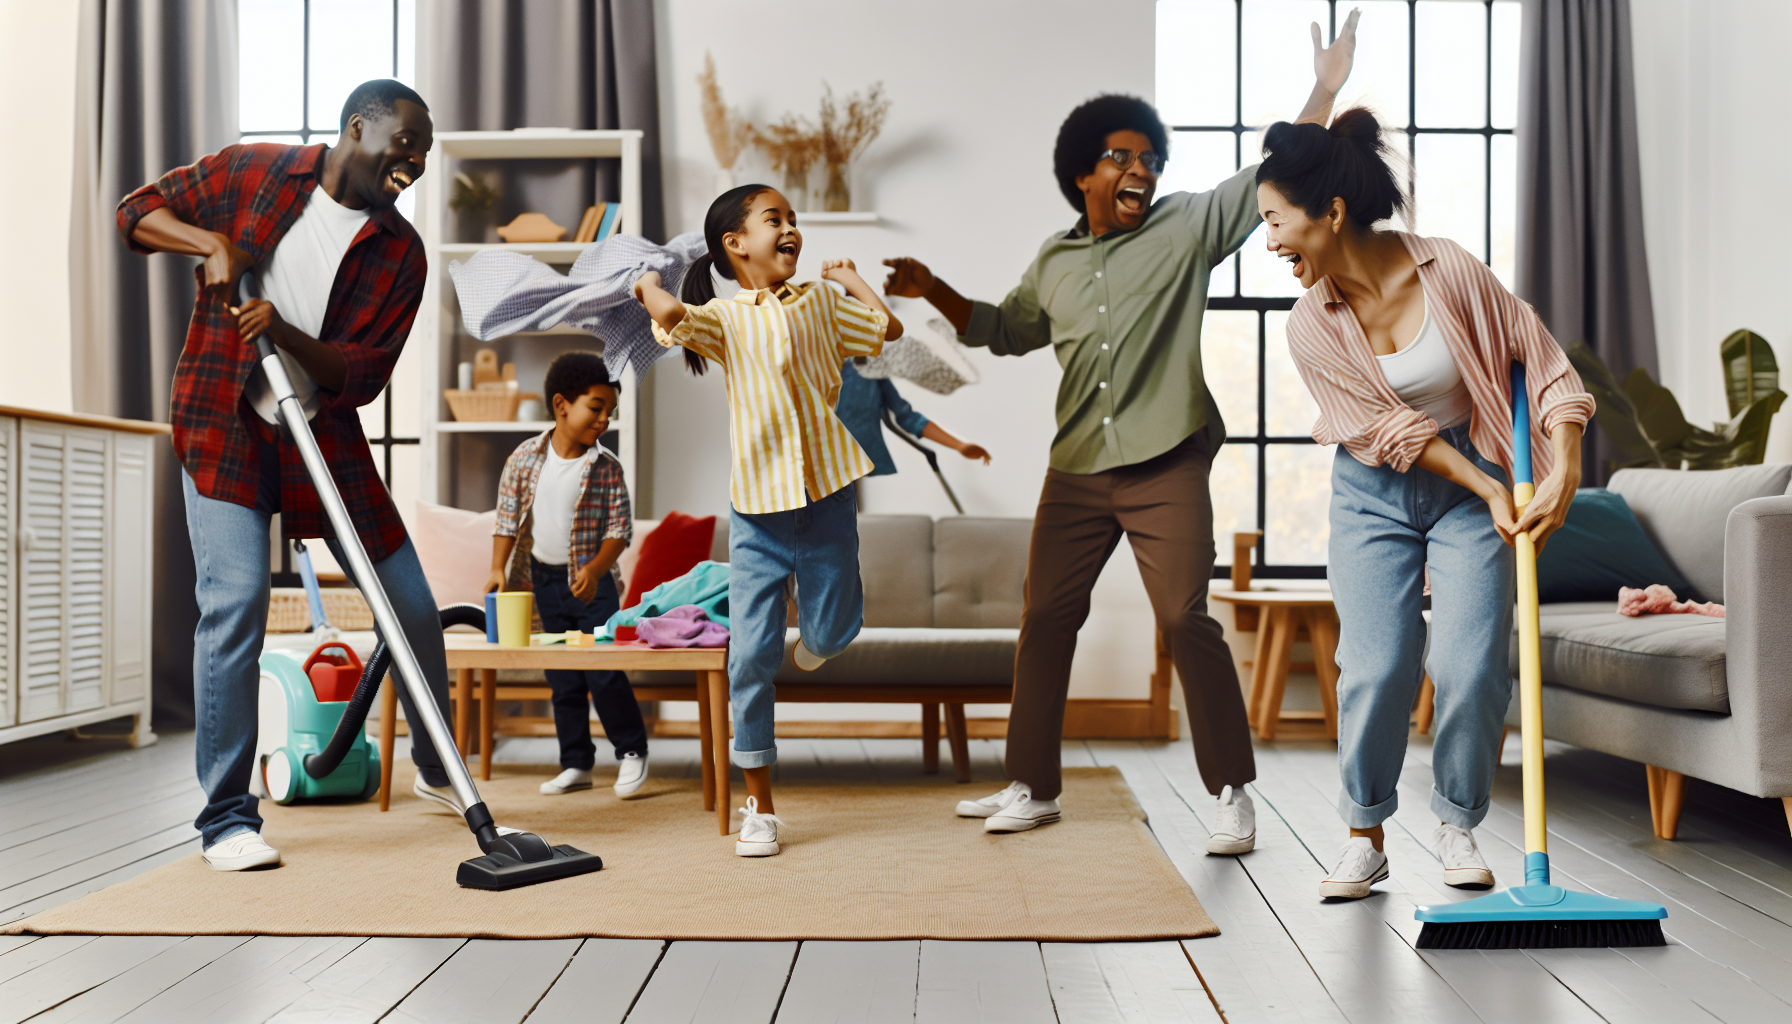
(1406, 344)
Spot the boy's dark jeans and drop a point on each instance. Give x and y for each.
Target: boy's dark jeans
(610, 692)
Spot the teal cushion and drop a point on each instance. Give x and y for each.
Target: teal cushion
(1599, 549)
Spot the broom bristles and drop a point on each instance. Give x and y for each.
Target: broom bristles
(1540, 934)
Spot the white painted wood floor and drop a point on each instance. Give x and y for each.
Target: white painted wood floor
(76, 816)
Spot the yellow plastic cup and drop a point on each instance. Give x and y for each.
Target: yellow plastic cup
(515, 610)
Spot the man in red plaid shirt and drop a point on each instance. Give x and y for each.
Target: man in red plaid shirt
(342, 275)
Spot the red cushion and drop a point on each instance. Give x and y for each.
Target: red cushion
(671, 550)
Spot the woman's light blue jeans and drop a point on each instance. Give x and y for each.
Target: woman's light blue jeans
(230, 555)
(819, 545)
(1387, 527)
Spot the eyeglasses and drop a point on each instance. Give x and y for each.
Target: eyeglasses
(1123, 159)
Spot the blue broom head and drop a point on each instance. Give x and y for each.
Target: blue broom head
(1539, 915)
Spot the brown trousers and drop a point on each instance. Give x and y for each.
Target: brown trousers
(1165, 510)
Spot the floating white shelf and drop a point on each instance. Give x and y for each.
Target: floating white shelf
(546, 252)
(848, 217)
(536, 144)
(503, 426)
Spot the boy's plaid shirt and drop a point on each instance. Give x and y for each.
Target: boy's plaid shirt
(253, 195)
(602, 513)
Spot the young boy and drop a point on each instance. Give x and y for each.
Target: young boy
(563, 501)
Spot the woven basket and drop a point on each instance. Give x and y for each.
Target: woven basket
(289, 612)
(486, 405)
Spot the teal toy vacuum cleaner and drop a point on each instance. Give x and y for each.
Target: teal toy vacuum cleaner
(511, 857)
(1537, 914)
(300, 708)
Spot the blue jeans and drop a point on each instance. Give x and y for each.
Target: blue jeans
(819, 545)
(1387, 527)
(608, 691)
(230, 558)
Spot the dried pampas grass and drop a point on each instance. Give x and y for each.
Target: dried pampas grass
(729, 133)
(845, 135)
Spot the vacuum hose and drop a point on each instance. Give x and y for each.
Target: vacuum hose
(354, 717)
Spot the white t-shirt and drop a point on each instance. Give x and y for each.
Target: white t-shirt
(1425, 376)
(297, 279)
(556, 500)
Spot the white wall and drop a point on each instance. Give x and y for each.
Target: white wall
(1714, 147)
(37, 79)
(961, 177)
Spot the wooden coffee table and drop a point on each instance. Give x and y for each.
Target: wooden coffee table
(1282, 614)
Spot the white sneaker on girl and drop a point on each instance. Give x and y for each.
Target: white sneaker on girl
(631, 772)
(758, 832)
(1464, 867)
(1360, 866)
(567, 781)
(994, 802)
(805, 659)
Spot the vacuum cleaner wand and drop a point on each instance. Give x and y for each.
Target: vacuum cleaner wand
(512, 857)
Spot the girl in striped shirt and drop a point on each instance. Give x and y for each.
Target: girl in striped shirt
(780, 347)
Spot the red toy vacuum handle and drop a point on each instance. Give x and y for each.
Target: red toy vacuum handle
(318, 655)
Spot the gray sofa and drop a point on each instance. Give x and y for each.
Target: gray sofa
(1688, 695)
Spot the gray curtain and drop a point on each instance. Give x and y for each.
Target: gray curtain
(1581, 260)
(156, 89)
(500, 64)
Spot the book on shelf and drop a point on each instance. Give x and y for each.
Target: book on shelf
(607, 226)
(588, 224)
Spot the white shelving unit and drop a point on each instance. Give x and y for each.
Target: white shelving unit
(438, 321)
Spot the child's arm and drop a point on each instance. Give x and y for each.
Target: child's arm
(662, 305)
(843, 272)
(501, 548)
(933, 433)
(584, 586)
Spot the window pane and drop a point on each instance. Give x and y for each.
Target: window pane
(1450, 189)
(1278, 57)
(1378, 78)
(284, 140)
(1288, 405)
(351, 42)
(407, 42)
(1198, 161)
(1233, 484)
(1224, 280)
(1264, 275)
(1197, 55)
(1505, 208)
(1297, 504)
(1229, 361)
(1451, 69)
(274, 31)
(1508, 15)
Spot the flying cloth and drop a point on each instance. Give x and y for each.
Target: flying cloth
(929, 354)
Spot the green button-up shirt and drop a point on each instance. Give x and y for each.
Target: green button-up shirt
(1124, 313)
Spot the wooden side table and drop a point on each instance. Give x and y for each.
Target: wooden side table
(1283, 613)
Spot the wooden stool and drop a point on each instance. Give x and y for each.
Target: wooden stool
(1282, 614)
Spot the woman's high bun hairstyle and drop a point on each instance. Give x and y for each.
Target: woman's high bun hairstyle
(1312, 164)
(726, 215)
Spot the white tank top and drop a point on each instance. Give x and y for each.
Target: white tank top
(1425, 377)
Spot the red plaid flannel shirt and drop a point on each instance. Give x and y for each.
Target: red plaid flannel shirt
(603, 511)
(252, 195)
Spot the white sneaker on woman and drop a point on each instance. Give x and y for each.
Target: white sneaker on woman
(1464, 867)
(1360, 866)
(1022, 814)
(994, 802)
(241, 852)
(631, 772)
(443, 795)
(567, 781)
(758, 832)
(1234, 823)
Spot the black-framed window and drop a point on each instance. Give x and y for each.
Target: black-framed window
(1444, 73)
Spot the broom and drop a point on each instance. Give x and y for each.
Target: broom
(1535, 915)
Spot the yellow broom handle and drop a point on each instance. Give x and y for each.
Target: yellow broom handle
(1530, 684)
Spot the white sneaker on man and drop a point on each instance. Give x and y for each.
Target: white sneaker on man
(1022, 813)
(758, 832)
(1464, 867)
(805, 659)
(567, 781)
(1234, 823)
(631, 772)
(443, 795)
(241, 852)
(1360, 866)
(994, 802)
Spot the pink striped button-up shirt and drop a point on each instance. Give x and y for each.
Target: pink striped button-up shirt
(1487, 329)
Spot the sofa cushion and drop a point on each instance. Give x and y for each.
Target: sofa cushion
(1600, 549)
(1684, 513)
(980, 571)
(896, 565)
(1668, 661)
(917, 656)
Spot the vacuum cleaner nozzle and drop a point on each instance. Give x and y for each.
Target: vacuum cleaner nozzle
(514, 857)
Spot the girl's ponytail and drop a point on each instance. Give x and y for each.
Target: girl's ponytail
(695, 291)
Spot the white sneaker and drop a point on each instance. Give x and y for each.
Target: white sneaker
(240, 852)
(805, 659)
(1022, 813)
(631, 772)
(758, 832)
(1234, 823)
(567, 781)
(1360, 866)
(1464, 867)
(443, 795)
(994, 802)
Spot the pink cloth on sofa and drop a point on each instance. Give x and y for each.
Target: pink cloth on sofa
(684, 626)
(1657, 599)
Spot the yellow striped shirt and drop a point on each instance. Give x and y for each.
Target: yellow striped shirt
(780, 358)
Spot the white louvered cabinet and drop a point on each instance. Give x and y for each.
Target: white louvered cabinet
(76, 560)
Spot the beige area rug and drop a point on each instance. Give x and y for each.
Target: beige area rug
(861, 860)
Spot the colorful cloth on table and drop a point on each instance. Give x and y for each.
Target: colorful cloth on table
(502, 293)
(705, 586)
(780, 356)
(684, 626)
(602, 513)
(1657, 599)
(253, 195)
(861, 407)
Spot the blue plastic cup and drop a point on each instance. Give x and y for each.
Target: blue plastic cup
(491, 617)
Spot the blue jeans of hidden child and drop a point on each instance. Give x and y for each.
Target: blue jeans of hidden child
(607, 691)
(230, 557)
(819, 545)
(1387, 527)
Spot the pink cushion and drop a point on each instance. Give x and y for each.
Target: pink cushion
(455, 547)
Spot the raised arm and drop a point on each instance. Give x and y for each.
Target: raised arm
(1331, 66)
(912, 280)
(1014, 328)
(846, 275)
(663, 306)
